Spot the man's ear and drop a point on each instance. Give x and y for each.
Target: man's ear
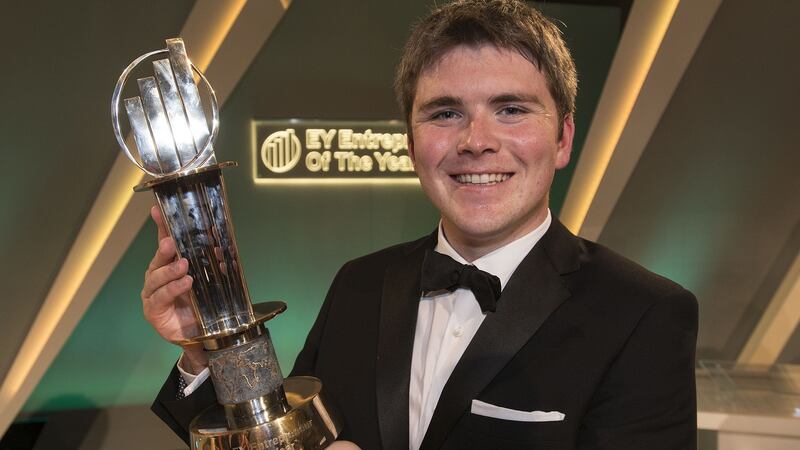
(564, 145)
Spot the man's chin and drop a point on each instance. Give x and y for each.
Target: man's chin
(486, 229)
(474, 232)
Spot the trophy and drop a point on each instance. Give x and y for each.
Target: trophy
(258, 408)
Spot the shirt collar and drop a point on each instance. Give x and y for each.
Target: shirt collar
(503, 261)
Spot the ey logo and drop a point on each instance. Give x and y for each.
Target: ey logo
(281, 151)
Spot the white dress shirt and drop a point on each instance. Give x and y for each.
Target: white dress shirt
(446, 324)
(192, 381)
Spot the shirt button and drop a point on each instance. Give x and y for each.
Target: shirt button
(458, 331)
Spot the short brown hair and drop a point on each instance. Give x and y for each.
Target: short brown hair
(509, 24)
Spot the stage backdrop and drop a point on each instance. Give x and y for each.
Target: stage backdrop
(325, 60)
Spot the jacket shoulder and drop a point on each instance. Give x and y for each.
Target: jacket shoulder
(608, 272)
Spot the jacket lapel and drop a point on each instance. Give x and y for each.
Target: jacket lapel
(398, 319)
(534, 291)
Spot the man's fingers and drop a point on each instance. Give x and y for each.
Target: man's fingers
(165, 254)
(155, 213)
(161, 276)
(166, 246)
(165, 296)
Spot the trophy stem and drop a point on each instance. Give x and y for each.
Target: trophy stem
(195, 209)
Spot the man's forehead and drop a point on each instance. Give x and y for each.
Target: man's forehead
(459, 51)
(480, 70)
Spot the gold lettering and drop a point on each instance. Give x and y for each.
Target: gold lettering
(406, 164)
(312, 138)
(326, 161)
(341, 157)
(316, 161)
(373, 140)
(368, 140)
(365, 163)
(327, 138)
(358, 141)
(350, 162)
(392, 163)
(400, 142)
(345, 139)
(387, 141)
(381, 158)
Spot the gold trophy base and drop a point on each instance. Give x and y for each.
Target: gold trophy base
(307, 425)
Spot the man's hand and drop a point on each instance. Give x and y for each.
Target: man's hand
(165, 297)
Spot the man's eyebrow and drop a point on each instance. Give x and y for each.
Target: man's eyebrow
(439, 102)
(515, 98)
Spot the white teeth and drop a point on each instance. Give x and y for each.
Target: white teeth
(482, 178)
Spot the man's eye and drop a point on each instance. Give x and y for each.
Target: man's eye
(445, 115)
(512, 111)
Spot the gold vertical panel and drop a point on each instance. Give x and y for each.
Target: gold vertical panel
(778, 322)
(594, 161)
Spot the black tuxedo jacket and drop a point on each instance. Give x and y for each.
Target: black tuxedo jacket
(578, 329)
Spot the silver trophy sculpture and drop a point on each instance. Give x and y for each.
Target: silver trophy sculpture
(258, 409)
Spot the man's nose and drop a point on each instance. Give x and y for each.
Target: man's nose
(479, 136)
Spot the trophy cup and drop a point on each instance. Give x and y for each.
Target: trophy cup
(258, 408)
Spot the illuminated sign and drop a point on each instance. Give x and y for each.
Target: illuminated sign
(303, 151)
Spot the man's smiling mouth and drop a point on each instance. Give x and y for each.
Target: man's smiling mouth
(482, 178)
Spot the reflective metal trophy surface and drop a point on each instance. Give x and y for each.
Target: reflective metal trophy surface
(257, 408)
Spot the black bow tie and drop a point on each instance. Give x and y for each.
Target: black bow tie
(441, 272)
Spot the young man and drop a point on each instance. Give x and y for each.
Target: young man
(554, 343)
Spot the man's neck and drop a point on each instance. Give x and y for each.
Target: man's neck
(473, 247)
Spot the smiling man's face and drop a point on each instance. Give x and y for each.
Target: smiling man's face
(486, 145)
